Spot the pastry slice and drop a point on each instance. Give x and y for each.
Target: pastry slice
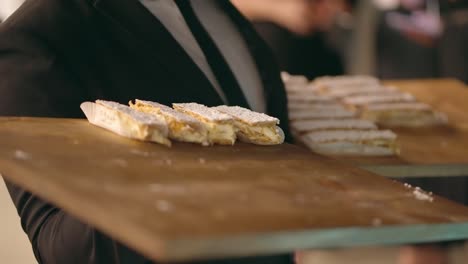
(314, 106)
(331, 82)
(253, 127)
(220, 126)
(363, 100)
(352, 142)
(126, 122)
(306, 126)
(411, 114)
(300, 88)
(309, 98)
(310, 114)
(293, 79)
(362, 90)
(182, 127)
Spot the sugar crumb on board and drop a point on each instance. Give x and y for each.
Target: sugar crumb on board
(422, 195)
(22, 155)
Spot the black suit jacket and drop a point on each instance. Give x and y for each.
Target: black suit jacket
(55, 54)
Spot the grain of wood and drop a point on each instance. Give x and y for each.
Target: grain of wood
(190, 201)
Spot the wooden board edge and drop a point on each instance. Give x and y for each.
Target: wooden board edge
(288, 242)
(151, 248)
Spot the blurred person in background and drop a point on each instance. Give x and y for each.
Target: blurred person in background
(296, 31)
(453, 51)
(423, 39)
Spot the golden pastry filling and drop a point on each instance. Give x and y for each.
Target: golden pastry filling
(221, 133)
(184, 132)
(177, 130)
(260, 134)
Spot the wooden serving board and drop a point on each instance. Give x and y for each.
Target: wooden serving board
(434, 151)
(193, 202)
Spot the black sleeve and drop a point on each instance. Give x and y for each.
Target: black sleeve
(35, 83)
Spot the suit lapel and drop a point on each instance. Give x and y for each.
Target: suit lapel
(141, 26)
(266, 65)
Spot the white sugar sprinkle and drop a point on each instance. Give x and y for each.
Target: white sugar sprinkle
(203, 111)
(21, 155)
(246, 115)
(166, 110)
(143, 118)
(421, 195)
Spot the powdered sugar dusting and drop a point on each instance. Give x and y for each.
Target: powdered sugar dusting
(166, 110)
(136, 115)
(247, 116)
(421, 195)
(22, 155)
(202, 111)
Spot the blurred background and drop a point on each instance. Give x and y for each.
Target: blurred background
(391, 39)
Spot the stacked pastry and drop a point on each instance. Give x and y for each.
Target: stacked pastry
(382, 104)
(187, 122)
(325, 125)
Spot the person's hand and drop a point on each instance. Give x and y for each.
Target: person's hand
(423, 255)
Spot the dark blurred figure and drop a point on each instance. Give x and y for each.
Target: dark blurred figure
(295, 30)
(453, 51)
(424, 39)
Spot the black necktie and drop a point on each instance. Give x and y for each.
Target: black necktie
(218, 64)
